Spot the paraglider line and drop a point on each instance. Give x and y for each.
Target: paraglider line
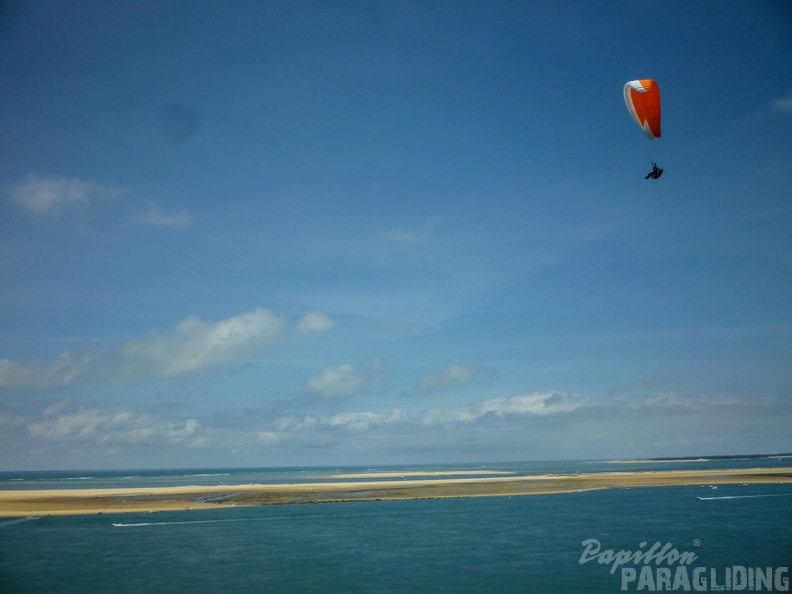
(648, 152)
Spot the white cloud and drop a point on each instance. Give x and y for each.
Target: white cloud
(188, 430)
(196, 344)
(315, 322)
(156, 218)
(447, 378)
(412, 235)
(192, 346)
(339, 380)
(354, 420)
(47, 194)
(543, 404)
(360, 421)
(550, 403)
(783, 104)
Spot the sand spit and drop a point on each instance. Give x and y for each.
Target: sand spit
(384, 474)
(96, 501)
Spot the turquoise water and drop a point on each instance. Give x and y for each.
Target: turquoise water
(486, 544)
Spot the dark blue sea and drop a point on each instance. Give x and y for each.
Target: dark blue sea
(482, 544)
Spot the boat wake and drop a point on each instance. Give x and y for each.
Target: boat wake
(190, 522)
(744, 496)
(18, 521)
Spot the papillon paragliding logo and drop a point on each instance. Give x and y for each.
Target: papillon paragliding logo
(643, 102)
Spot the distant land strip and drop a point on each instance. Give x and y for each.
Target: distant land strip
(412, 473)
(127, 500)
(703, 458)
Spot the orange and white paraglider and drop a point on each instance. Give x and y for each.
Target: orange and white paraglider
(643, 102)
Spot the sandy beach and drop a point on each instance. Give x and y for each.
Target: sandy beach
(112, 501)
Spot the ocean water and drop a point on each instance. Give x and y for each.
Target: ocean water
(105, 479)
(483, 544)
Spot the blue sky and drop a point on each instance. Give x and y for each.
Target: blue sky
(297, 233)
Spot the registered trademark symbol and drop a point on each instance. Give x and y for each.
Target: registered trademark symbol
(696, 542)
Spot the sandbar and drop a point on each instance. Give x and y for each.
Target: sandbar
(411, 473)
(129, 500)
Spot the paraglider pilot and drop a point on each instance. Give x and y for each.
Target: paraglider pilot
(655, 173)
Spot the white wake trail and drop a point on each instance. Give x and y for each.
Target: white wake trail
(18, 521)
(743, 496)
(190, 522)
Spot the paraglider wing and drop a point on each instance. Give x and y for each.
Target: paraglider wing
(643, 102)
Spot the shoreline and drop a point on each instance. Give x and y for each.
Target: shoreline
(24, 503)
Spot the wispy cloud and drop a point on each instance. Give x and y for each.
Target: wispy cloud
(155, 217)
(449, 377)
(783, 104)
(65, 369)
(10, 420)
(346, 379)
(49, 194)
(691, 401)
(315, 322)
(413, 235)
(120, 427)
(193, 345)
(338, 380)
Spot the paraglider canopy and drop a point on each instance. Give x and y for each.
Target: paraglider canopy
(643, 102)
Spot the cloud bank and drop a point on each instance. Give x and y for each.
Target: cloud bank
(60, 423)
(543, 425)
